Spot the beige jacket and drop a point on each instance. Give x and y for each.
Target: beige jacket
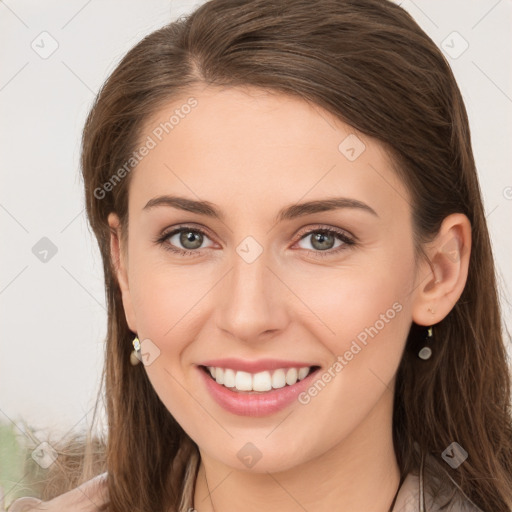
(413, 496)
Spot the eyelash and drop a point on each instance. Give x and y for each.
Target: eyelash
(347, 241)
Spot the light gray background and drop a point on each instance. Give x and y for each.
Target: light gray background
(53, 313)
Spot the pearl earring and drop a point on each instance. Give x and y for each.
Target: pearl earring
(426, 351)
(135, 356)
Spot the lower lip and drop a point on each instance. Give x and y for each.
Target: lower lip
(256, 404)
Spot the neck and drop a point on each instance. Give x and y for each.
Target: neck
(359, 473)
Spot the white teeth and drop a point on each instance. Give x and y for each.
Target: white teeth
(291, 376)
(229, 378)
(243, 381)
(303, 373)
(279, 379)
(262, 381)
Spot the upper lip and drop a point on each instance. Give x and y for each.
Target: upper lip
(254, 366)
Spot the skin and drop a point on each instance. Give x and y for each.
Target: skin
(251, 153)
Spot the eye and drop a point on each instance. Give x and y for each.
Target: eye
(190, 238)
(323, 241)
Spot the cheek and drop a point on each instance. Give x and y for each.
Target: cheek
(166, 303)
(370, 319)
(362, 315)
(165, 296)
(349, 300)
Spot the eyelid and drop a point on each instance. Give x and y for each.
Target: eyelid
(323, 227)
(182, 227)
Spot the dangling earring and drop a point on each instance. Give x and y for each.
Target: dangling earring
(426, 352)
(135, 356)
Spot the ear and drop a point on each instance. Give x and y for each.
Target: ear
(441, 279)
(118, 255)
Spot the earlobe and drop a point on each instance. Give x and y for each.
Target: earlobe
(117, 253)
(442, 279)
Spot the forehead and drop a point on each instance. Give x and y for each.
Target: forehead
(224, 144)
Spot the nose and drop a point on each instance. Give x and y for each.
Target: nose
(252, 300)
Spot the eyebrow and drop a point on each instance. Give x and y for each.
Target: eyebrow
(287, 213)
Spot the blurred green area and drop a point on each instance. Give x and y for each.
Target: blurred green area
(15, 476)
(22, 473)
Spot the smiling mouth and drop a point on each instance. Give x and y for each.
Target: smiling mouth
(258, 383)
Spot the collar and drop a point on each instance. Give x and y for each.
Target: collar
(415, 496)
(410, 497)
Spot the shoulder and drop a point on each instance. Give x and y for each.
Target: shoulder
(455, 502)
(432, 491)
(85, 498)
(442, 493)
(408, 497)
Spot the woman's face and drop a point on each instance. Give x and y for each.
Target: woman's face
(261, 282)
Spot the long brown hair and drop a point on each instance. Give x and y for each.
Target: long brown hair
(371, 65)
